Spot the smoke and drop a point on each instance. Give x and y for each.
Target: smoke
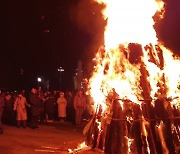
(87, 16)
(168, 28)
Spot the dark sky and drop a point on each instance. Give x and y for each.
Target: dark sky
(38, 36)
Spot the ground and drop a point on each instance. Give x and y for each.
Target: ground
(48, 138)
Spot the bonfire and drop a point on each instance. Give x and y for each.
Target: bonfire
(135, 85)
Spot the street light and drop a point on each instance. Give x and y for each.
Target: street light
(39, 79)
(60, 69)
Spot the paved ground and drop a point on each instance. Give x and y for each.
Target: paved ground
(48, 138)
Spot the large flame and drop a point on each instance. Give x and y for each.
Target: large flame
(131, 21)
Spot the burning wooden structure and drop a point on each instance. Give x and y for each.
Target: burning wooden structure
(153, 126)
(134, 87)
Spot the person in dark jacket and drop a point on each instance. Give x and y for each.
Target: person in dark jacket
(35, 103)
(49, 107)
(70, 107)
(8, 109)
(56, 96)
(2, 97)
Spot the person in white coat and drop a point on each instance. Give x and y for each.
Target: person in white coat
(62, 103)
(20, 107)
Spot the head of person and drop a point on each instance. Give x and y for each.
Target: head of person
(8, 96)
(33, 90)
(23, 92)
(20, 95)
(70, 93)
(55, 92)
(61, 94)
(48, 93)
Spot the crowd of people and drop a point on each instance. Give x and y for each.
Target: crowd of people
(28, 109)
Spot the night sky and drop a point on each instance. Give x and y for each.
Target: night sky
(38, 36)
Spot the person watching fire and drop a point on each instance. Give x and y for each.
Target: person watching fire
(79, 106)
(20, 107)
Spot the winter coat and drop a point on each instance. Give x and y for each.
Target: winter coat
(69, 101)
(20, 107)
(79, 102)
(49, 104)
(62, 103)
(35, 103)
(8, 105)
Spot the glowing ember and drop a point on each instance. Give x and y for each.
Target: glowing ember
(130, 141)
(79, 148)
(144, 133)
(161, 136)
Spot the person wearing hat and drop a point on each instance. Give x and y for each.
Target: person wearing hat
(62, 103)
(20, 107)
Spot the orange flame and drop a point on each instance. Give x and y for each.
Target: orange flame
(79, 147)
(131, 21)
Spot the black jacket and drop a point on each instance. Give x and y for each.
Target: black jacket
(35, 103)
